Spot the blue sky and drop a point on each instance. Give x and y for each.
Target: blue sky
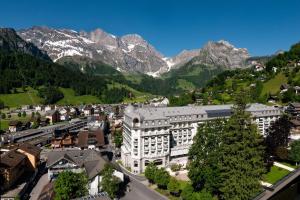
(262, 26)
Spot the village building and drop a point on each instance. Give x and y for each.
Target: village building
(87, 161)
(91, 139)
(15, 126)
(163, 135)
(53, 116)
(15, 162)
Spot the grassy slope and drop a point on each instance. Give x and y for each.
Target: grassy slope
(21, 98)
(4, 122)
(138, 96)
(71, 98)
(273, 86)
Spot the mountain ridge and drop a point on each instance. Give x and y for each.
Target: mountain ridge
(131, 52)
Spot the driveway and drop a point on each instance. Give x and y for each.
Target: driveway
(138, 191)
(38, 187)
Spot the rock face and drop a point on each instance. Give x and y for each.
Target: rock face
(10, 41)
(129, 53)
(182, 58)
(222, 53)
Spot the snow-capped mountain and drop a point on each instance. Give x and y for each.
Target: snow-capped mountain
(129, 53)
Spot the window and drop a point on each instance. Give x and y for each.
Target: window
(158, 162)
(147, 162)
(136, 164)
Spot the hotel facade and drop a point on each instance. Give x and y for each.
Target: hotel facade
(163, 135)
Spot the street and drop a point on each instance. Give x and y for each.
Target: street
(139, 191)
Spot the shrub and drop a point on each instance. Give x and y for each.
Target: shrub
(176, 167)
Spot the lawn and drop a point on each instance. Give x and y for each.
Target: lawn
(275, 174)
(4, 122)
(273, 85)
(29, 97)
(71, 99)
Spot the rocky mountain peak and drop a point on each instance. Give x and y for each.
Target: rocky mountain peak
(222, 53)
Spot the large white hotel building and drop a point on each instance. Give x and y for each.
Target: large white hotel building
(163, 135)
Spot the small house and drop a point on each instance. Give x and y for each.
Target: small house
(15, 126)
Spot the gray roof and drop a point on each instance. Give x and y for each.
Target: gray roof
(212, 111)
(163, 112)
(88, 159)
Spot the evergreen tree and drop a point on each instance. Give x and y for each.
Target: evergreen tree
(241, 151)
(204, 155)
(295, 152)
(278, 135)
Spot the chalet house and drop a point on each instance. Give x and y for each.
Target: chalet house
(15, 162)
(49, 107)
(67, 140)
(11, 168)
(77, 161)
(293, 109)
(91, 139)
(53, 116)
(39, 108)
(88, 110)
(15, 126)
(64, 117)
(32, 153)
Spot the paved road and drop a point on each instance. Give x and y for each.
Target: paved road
(38, 187)
(138, 191)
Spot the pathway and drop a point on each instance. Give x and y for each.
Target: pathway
(284, 166)
(36, 191)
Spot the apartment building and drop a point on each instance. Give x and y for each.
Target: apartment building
(163, 135)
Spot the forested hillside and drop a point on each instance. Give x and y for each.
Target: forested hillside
(263, 85)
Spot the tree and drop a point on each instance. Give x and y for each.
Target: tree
(3, 116)
(202, 195)
(241, 151)
(19, 114)
(204, 155)
(70, 185)
(50, 94)
(24, 114)
(282, 153)
(32, 115)
(162, 178)
(278, 135)
(294, 154)
(150, 172)
(109, 182)
(174, 186)
(118, 139)
(1, 104)
(187, 192)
